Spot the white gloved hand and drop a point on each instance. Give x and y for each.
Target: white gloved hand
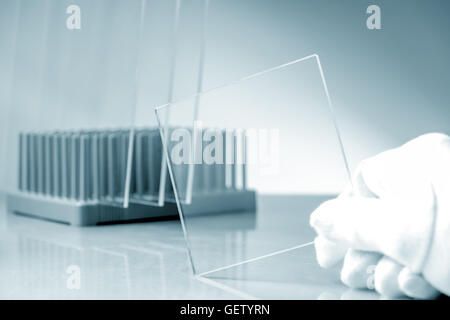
(395, 221)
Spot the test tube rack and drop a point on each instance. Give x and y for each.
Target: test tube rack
(78, 178)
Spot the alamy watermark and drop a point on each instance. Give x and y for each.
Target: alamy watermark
(73, 21)
(73, 281)
(217, 146)
(373, 22)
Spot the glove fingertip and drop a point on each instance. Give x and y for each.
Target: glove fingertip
(328, 253)
(415, 286)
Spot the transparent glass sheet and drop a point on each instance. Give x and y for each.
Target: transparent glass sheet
(250, 161)
(169, 68)
(74, 93)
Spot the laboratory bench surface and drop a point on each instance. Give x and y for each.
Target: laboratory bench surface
(148, 260)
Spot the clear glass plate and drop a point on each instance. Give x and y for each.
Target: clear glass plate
(73, 101)
(250, 161)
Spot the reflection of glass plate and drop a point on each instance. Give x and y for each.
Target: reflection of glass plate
(274, 133)
(291, 275)
(247, 236)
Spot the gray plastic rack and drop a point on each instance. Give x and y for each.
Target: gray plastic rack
(78, 177)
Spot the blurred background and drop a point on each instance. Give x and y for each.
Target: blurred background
(388, 86)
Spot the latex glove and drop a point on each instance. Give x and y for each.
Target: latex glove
(400, 213)
(362, 268)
